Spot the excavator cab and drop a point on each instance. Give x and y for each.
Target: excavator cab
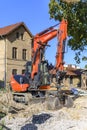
(41, 78)
(28, 69)
(45, 72)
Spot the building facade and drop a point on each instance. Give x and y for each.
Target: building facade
(73, 76)
(15, 51)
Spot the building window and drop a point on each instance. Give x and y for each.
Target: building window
(24, 54)
(23, 71)
(14, 53)
(22, 38)
(14, 71)
(17, 35)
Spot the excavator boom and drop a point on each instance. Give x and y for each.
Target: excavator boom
(40, 41)
(62, 36)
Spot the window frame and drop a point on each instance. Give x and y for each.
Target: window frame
(17, 35)
(14, 52)
(24, 54)
(23, 71)
(14, 71)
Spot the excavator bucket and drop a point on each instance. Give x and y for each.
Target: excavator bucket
(55, 103)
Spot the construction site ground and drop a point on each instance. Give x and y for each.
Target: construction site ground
(38, 117)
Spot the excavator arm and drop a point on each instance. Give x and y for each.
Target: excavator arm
(40, 42)
(61, 35)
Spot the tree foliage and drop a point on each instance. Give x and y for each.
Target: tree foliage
(76, 15)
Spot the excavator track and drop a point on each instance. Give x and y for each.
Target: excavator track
(27, 98)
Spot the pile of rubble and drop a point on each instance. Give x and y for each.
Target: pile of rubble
(38, 117)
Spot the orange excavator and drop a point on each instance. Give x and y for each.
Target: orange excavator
(36, 79)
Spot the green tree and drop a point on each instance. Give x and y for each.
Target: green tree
(76, 15)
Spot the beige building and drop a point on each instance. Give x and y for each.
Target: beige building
(15, 50)
(73, 76)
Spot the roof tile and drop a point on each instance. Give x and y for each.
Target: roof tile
(8, 29)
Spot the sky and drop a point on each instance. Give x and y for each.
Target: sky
(35, 15)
